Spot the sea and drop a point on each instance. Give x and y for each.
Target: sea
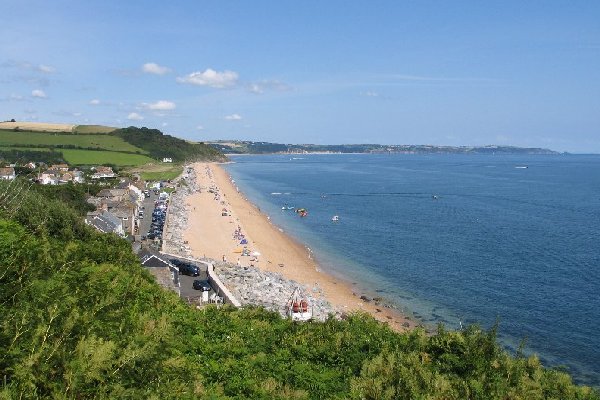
(512, 240)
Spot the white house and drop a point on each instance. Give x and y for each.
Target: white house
(7, 173)
(167, 159)
(103, 172)
(138, 192)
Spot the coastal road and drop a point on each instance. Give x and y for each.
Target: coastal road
(145, 222)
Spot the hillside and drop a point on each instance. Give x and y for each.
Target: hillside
(158, 145)
(249, 147)
(94, 144)
(83, 319)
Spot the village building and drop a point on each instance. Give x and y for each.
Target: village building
(165, 273)
(7, 173)
(60, 167)
(105, 222)
(102, 172)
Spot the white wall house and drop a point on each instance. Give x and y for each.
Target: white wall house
(7, 173)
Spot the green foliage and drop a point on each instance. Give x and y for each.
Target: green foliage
(25, 155)
(159, 145)
(73, 195)
(82, 319)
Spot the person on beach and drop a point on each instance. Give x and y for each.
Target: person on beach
(224, 259)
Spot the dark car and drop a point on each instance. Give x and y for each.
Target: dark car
(203, 286)
(188, 269)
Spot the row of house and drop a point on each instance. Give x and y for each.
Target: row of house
(58, 174)
(117, 209)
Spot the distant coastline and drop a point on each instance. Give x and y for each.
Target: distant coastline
(251, 147)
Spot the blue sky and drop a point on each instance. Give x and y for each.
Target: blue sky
(395, 72)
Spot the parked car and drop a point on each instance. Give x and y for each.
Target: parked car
(189, 269)
(203, 286)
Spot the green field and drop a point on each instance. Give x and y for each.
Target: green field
(87, 129)
(100, 141)
(95, 157)
(165, 175)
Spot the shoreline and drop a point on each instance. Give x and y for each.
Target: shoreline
(209, 234)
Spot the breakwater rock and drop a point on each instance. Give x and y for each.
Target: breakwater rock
(178, 212)
(270, 290)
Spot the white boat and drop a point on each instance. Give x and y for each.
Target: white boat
(285, 208)
(335, 218)
(297, 307)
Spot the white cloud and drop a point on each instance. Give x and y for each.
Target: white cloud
(38, 93)
(273, 85)
(153, 68)
(210, 78)
(233, 117)
(371, 94)
(45, 68)
(200, 128)
(161, 105)
(135, 117)
(94, 102)
(164, 124)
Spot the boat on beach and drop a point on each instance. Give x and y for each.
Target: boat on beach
(297, 307)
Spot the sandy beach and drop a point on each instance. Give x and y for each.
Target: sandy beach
(211, 233)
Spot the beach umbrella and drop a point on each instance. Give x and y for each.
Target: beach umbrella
(243, 241)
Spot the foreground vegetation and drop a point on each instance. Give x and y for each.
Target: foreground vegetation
(82, 319)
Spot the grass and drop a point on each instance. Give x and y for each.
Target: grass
(157, 172)
(100, 141)
(87, 129)
(95, 157)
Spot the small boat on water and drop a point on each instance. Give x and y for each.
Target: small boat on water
(335, 218)
(286, 208)
(297, 307)
(302, 212)
(521, 167)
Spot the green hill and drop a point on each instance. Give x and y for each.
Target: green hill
(94, 144)
(82, 319)
(159, 145)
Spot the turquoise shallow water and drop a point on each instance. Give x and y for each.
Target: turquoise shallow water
(455, 238)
